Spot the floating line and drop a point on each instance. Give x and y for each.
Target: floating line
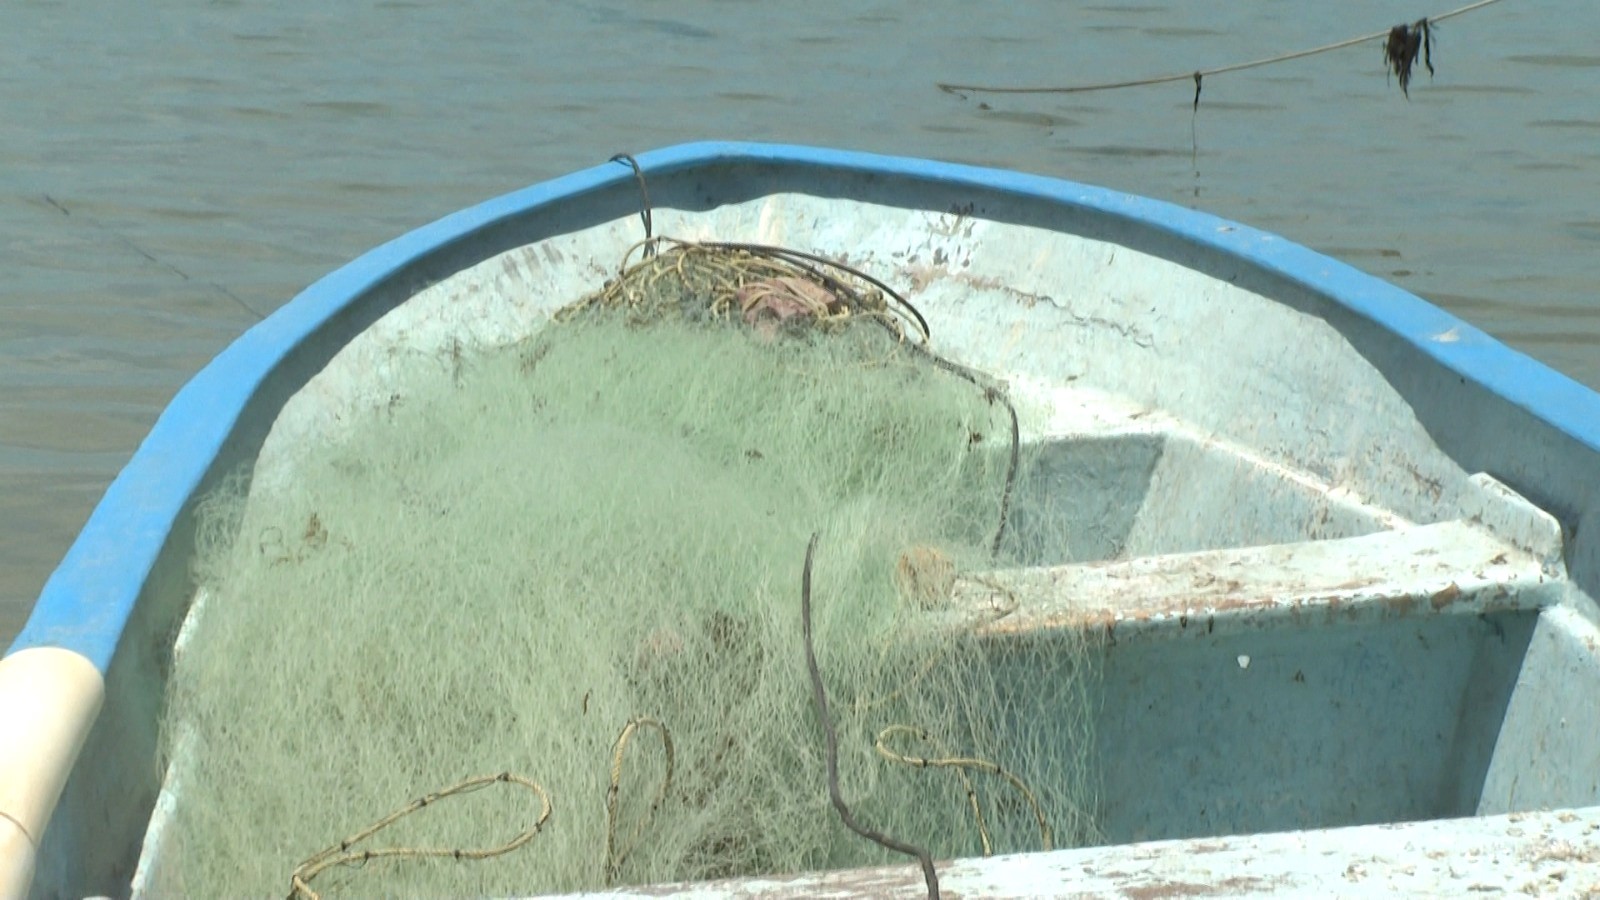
(1198, 74)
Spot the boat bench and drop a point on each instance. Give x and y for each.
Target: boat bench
(1406, 708)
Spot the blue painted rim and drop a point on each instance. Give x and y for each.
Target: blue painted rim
(87, 601)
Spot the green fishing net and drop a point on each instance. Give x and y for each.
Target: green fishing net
(578, 560)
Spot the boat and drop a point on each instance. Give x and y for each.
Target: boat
(1338, 548)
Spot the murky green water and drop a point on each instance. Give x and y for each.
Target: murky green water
(164, 165)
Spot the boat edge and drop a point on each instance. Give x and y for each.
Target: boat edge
(87, 599)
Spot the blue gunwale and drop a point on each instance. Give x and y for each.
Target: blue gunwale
(87, 601)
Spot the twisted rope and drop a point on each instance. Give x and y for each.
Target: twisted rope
(340, 854)
(961, 763)
(615, 856)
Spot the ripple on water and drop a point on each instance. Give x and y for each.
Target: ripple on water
(1026, 118)
(349, 107)
(1564, 60)
(1581, 124)
(1131, 152)
(284, 119)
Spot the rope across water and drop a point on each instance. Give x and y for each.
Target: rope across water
(1197, 75)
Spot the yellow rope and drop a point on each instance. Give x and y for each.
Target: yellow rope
(615, 856)
(718, 272)
(1199, 73)
(340, 854)
(960, 763)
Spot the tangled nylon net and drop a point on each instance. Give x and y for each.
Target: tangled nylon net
(808, 384)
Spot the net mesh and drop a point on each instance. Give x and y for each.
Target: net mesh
(579, 561)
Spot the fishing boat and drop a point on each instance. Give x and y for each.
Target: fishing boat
(1335, 549)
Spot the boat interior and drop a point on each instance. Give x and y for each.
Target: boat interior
(1307, 615)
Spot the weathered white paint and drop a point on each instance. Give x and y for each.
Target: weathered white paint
(1548, 754)
(1451, 567)
(1549, 854)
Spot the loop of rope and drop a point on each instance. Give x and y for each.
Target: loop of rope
(614, 855)
(646, 213)
(961, 763)
(723, 267)
(340, 854)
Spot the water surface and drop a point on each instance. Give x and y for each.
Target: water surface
(171, 170)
